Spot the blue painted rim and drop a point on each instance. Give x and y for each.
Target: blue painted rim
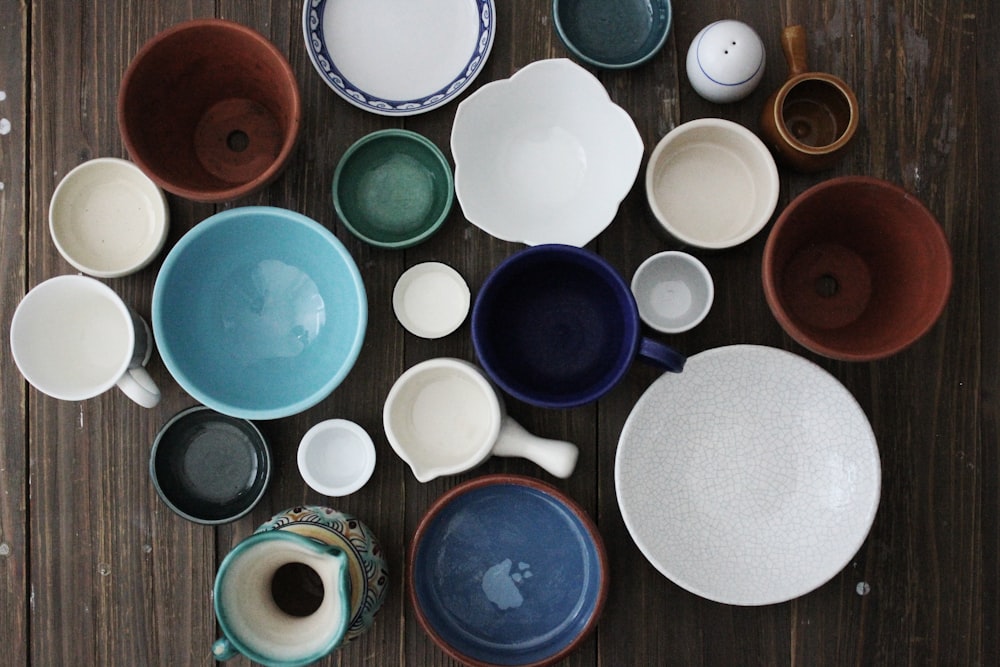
(168, 355)
(559, 251)
(422, 591)
(319, 55)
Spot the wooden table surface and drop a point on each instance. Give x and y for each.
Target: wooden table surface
(95, 570)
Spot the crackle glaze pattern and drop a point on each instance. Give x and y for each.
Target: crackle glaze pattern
(751, 478)
(366, 561)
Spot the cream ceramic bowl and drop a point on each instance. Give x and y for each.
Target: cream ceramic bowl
(544, 156)
(107, 218)
(711, 183)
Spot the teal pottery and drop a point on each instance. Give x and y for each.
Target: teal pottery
(305, 583)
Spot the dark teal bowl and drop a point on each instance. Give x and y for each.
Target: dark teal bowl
(613, 35)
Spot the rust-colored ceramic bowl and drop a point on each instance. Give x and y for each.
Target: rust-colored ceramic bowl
(856, 269)
(507, 570)
(210, 110)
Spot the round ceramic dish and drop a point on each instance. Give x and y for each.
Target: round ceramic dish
(431, 300)
(612, 35)
(336, 457)
(751, 478)
(209, 468)
(398, 59)
(491, 587)
(718, 212)
(393, 188)
(259, 312)
(107, 218)
(673, 290)
(544, 156)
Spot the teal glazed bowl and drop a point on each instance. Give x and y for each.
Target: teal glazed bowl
(259, 312)
(613, 35)
(393, 188)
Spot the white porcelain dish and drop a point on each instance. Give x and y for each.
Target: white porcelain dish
(544, 156)
(336, 457)
(107, 218)
(673, 291)
(431, 300)
(398, 58)
(711, 183)
(751, 478)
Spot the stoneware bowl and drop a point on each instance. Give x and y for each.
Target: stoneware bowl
(751, 478)
(725, 61)
(492, 588)
(856, 268)
(544, 156)
(673, 290)
(210, 110)
(718, 212)
(393, 188)
(259, 312)
(209, 468)
(107, 218)
(612, 35)
(399, 59)
(336, 457)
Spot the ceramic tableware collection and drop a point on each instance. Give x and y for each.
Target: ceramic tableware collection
(747, 475)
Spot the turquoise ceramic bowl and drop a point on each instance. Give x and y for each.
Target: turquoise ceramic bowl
(613, 35)
(393, 188)
(259, 312)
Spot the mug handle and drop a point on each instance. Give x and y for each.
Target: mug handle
(663, 356)
(223, 649)
(557, 457)
(139, 386)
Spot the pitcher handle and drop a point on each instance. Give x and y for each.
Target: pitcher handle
(793, 43)
(660, 355)
(557, 457)
(223, 649)
(139, 386)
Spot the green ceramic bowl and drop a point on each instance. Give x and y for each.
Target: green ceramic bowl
(393, 188)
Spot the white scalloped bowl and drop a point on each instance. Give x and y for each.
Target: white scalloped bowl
(544, 156)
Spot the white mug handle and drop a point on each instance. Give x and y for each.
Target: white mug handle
(558, 457)
(139, 386)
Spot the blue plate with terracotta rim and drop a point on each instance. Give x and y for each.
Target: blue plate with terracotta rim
(507, 570)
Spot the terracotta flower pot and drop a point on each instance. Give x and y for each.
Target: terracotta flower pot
(856, 269)
(209, 110)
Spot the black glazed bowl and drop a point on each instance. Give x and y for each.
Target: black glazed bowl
(208, 467)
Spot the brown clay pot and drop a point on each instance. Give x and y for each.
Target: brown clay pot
(856, 269)
(810, 120)
(210, 110)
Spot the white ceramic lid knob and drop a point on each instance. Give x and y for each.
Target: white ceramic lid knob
(725, 61)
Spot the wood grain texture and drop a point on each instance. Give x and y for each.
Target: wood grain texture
(96, 570)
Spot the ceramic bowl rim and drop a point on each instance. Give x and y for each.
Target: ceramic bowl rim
(263, 446)
(161, 216)
(641, 57)
(233, 216)
(358, 434)
(416, 139)
(502, 479)
(745, 137)
(699, 268)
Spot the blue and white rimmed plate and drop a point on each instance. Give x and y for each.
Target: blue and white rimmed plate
(398, 58)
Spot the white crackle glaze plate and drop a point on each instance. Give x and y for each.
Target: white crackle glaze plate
(751, 478)
(398, 58)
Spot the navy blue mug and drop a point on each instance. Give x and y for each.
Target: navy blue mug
(557, 327)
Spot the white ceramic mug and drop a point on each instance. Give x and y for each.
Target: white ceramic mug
(73, 338)
(443, 416)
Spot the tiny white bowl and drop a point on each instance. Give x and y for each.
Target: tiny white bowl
(431, 300)
(673, 290)
(544, 156)
(711, 183)
(107, 218)
(336, 457)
